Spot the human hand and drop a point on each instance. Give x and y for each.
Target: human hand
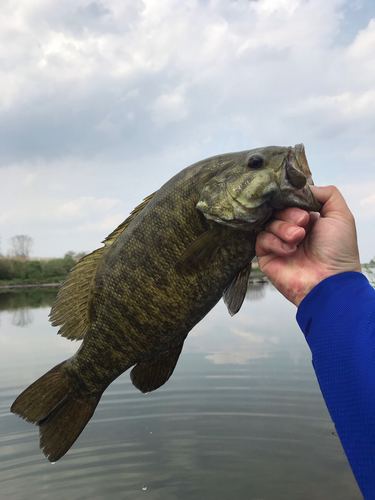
(299, 249)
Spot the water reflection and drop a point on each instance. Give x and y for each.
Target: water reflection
(22, 301)
(32, 298)
(22, 317)
(256, 290)
(241, 417)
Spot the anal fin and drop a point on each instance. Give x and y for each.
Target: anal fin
(234, 294)
(151, 375)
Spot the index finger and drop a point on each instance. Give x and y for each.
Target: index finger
(293, 215)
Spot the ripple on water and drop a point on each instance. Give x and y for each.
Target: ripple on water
(217, 430)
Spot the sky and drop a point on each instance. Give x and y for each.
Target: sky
(101, 102)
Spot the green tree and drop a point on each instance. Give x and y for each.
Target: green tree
(6, 270)
(58, 267)
(32, 270)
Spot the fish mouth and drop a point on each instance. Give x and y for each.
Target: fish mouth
(303, 199)
(295, 182)
(314, 206)
(292, 196)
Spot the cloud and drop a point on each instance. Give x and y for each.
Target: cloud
(370, 200)
(52, 210)
(361, 199)
(114, 97)
(180, 60)
(363, 47)
(82, 206)
(170, 107)
(345, 105)
(105, 225)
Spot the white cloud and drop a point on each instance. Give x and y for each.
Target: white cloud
(360, 198)
(113, 96)
(170, 107)
(45, 204)
(363, 47)
(105, 225)
(370, 200)
(83, 206)
(346, 105)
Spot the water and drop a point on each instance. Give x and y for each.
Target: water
(241, 417)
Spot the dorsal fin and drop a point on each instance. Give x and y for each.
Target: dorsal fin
(70, 310)
(115, 234)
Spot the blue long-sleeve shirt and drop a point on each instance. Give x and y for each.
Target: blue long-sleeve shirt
(338, 320)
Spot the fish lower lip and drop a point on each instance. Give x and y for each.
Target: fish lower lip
(302, 204)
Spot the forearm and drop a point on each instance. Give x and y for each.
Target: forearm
(338, 319)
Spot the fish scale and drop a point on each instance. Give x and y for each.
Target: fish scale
(134, 301)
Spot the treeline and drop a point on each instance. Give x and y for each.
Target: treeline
(31, 271)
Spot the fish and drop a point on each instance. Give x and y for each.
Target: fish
(134, 300)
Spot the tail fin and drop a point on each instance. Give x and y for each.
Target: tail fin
(60, 414)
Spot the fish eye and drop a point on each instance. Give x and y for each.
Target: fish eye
(255, 162)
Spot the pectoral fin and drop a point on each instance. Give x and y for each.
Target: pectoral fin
(234, 294)
(200, 251)
(152, 374)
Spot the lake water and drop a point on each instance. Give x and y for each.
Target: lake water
(241, 418)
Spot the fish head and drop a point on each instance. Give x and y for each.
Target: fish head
(255, 184)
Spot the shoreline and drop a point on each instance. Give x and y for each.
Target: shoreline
(29, 285)
(257, 278)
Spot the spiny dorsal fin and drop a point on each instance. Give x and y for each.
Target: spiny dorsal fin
(115, 234)
(70, 310)
(234, 294)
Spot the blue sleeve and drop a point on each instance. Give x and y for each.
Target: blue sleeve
(338, 320)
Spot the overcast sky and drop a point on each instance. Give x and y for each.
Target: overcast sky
(101, 102)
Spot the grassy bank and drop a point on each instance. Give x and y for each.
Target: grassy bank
(17, 273)
(39, 272)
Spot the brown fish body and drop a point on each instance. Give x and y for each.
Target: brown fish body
(140, 299)
(157, 276)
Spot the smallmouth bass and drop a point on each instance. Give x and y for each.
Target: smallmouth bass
(134, 300)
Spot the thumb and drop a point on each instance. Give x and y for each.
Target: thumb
(332, 201)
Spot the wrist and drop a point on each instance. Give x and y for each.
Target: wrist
(304, 291)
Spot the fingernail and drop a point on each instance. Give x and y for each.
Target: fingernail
(292, 231)
(296, 216)
(288, 247)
